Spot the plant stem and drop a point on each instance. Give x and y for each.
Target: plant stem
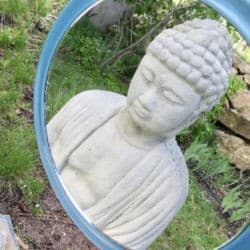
(134, 45)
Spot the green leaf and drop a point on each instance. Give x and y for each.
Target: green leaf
(242, 213)
(232, 200)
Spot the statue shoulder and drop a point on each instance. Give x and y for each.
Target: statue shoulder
(175, 150)
(179, 162)
(86, 103)
(85, 110)
(98, 98)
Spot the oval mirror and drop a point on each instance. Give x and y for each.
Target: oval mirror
(113, 161)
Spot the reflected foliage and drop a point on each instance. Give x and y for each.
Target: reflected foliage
(206, 160)
(196, 226)
(76, 69)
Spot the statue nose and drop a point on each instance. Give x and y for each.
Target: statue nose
(148, 99)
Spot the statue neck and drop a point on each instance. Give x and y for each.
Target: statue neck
(134, 134)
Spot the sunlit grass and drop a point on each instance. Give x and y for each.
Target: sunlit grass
(246, 54)
(19, 158)
(196, 226)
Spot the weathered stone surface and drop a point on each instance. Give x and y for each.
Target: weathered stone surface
(237, 149)
(247, 79)
(237, 116)
(108, 13)
(240, 77)
(234, 71)
(240, 64)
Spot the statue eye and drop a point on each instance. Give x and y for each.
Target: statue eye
(147, 75)
(172, 97)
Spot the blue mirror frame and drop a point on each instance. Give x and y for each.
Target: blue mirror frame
(238, 14)
(71, 13)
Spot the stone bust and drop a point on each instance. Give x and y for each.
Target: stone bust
(118, 156)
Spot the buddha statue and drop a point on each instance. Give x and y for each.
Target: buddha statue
(118, 157)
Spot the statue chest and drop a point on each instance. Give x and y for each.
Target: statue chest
(104, 158)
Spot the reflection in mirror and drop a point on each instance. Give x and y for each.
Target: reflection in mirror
(117, 156)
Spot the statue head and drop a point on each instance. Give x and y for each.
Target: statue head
(184, 73)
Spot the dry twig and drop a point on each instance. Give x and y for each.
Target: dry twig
(133, 46)
(44, 218)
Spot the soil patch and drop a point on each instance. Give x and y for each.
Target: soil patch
(53, 230)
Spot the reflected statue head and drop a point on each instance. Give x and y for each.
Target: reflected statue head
(118, 157)
(196, 53)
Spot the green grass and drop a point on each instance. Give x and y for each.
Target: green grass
(19, 160)
(235, 85)
(246, 54)
(27, 9)
(196, 226)
(18, 151)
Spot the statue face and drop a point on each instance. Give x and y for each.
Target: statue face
(159, 101)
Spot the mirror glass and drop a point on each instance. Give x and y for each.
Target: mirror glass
(114, 173)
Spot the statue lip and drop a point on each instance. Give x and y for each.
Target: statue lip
(141, 110)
